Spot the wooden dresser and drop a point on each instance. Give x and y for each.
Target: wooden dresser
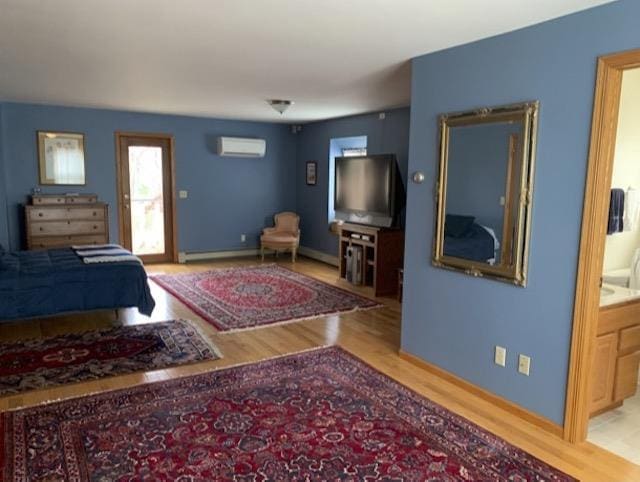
(55, 221)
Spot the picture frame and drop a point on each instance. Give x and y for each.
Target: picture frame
(61, 158)
(312, 173)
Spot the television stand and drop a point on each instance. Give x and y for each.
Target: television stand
(382, 255)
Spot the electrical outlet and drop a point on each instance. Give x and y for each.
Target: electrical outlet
(243, 238)
(500, 356)
(524, 364)
(183, 194)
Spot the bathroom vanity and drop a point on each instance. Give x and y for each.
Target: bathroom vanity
(617, 348)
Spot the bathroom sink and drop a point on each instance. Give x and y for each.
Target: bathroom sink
(606, 291)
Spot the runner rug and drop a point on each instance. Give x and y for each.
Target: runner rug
(240, 298)
(318, 415)
(71, 358)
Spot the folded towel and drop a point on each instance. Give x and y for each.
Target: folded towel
(631, 209)
(111, 259)
(96, 246)
(96, 252)
(104, 253)
(616, 212)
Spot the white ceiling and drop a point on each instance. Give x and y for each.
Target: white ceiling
(223, 58)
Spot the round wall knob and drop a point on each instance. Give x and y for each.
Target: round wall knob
(418, 177)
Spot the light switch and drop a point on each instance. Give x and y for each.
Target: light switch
(501, 356)
(503, 201)
(524, 364)
(183, 194)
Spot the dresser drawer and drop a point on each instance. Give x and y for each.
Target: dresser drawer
(88, 199)
(629, 339)
(47, 200)
(67, 227)
(48, 242)
(65, 213)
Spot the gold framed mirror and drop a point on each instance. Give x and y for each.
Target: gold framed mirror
(484, 191)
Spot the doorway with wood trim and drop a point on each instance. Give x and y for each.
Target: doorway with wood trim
(604, 339)
(146, 195)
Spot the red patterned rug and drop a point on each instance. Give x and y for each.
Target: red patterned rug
(240, 298)
(314, 416)
(48, 362)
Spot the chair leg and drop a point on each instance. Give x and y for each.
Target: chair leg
(294, 254)
(262, 252)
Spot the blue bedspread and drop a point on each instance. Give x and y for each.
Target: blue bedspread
(476, 244)
(44, 283)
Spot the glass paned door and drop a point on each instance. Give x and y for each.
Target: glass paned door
(146, 202)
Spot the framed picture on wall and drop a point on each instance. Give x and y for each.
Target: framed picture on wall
(312, 173)
(61, 158)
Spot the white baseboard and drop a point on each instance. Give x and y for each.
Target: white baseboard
(206, 255)
(318, 255)
(202, 256)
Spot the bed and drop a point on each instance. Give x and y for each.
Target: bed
(51, 282)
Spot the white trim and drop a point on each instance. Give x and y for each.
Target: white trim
(318, 255)
(304, 251)
(186, 257)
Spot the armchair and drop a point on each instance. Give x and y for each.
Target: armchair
(284, 235)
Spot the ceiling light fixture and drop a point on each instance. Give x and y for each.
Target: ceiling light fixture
(280, 105)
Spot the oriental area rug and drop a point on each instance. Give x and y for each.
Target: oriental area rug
(320, 415)
(240, 298)
(71, 358)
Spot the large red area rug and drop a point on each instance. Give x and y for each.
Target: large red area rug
(315, 416)
(48, 362)
(240, 298)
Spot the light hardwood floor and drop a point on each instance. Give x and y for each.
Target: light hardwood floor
(372, 335)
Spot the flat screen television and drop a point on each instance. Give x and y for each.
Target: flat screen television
(368, 190)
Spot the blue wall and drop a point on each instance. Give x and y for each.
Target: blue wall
(453, 320)
(227, 196)
(384, 136)
(4, 233)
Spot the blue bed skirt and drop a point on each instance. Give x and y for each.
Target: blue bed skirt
(45, 283)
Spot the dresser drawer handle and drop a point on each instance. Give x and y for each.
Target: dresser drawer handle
(95, 213)
(41, 229)
(95, 227)
(40, 214)
(68, 222)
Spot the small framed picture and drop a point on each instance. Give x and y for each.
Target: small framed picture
(61, 158)
(312, 173)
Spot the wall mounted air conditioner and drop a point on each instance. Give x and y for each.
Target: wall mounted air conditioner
(241, 147)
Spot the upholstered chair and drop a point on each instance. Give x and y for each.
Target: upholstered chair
(285, 235)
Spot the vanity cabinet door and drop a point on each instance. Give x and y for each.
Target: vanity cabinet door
(603, 371)
(626, 376)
